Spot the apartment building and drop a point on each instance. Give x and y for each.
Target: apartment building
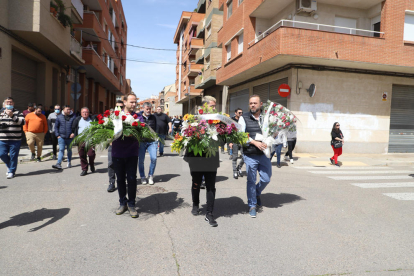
(171, 108)
(358, 54)
(103, 35)
(210, 55)
(46, 45)
(187, 70)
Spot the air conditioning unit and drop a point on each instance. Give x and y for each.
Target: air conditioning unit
(307, 5)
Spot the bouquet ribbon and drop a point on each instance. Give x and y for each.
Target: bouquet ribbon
(117, 128)
(221, 118)
(268, 140)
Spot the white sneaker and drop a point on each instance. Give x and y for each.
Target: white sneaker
(144, 181)
(10, 176)
(291, 161)
(69, 165)
(151, 180)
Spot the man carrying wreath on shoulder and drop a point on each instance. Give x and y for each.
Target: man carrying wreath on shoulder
(125, 162)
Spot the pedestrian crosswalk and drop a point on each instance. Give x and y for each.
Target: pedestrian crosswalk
(371, 178)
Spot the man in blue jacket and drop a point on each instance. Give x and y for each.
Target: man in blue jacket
(65, 135)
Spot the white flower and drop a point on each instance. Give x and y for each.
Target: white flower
(213, 133)
(185, 125)
(194, 124)
(185, 142)
(106, 121)
(129, 119)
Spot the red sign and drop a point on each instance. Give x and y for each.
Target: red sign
(284, 90)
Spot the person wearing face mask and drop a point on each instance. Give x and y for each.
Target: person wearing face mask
(30, 109)
(35, 130)
(11, 124)
(151, 146)
(51, 120)
(63, 131)
(164, 127)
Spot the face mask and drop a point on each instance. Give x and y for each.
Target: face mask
(57, 111)
(10, 107)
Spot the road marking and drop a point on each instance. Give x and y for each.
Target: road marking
(375, 177)
(401, 196)
(341, 168)
(384, 185)
(103, 156)
(360, 172)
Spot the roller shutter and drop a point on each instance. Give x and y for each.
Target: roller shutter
(23, 80)
(269, 91)
(401, 138)
(239, 99)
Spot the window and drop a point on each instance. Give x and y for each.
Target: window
(229, 9)
(345, 22)
(240, 1)
(240, 40)
(207, 62)
(409, 27)
(228, 48)
(209, 29)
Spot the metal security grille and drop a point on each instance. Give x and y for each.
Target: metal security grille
(239, 99)
(269, 91)
(23, 81)
(402, 120)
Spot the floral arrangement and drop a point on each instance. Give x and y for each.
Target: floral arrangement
(203, 135)
(112, 125)
(277, 118)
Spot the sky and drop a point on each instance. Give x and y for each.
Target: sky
(152, 23)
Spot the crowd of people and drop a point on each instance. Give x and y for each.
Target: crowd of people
(126, 156)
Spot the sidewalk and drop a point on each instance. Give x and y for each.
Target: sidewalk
(392, 159)
(47, 152)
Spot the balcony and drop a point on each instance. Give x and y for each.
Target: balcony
(91, 27)
(77, 12)
(200, 56)
(193, 69)
(76, 49)
(200, 29)
(99, 71)
(195, 44)
(201, 6)
(93, 5)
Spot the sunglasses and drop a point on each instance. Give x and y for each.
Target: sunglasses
(337, 125)
(240, 112)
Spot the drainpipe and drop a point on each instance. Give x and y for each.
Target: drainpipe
(180, 62)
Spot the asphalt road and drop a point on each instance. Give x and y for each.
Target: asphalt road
(59, 223)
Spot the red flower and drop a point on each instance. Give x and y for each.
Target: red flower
(210, 122)
(134, 124)
(107, 113)
(142, 124)
(274, 105)
(101, 122)
(200, 111)
(135, 116)
(116, 113)
(99, 117)
(123, 117)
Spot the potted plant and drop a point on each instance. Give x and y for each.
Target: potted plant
(53, 8)
(65, 19)
(60, 6)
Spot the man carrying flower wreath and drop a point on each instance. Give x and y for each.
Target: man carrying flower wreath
(253, 155)
(125, 162)
(149, 145)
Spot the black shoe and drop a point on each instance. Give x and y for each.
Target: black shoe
(239, 171)
(278, 165)
(33, 156)
(235, 175)
(231, 157)
(258, 202)
(337, 165)
(203, 185)
(111, 188)
(93, 169)
(39, 160)
(83, 173)
(57, 166)
(54, 157)
(161, 154)
(210, 220)
(196, 210)
(332, 161)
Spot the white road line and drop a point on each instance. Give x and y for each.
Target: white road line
(361, 172)
(374, 177)
(384, 185)
(342, 168)
(104, 156)
(401, 196)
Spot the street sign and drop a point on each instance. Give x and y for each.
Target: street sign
(76, 87)
(284, 90)
(77, 97)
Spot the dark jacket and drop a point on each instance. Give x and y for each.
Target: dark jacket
(162, 123)
(150, 121)
(75, 125)
(252, 127)
(63, 125)
(336, 135)
(202, 163)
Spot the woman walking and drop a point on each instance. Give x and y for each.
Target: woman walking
(280, 141)
(336, 143)
(291, 138)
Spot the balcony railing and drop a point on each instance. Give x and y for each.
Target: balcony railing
(91, 12)
(75, 47)
(314, 26)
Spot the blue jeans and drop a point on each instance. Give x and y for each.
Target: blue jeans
(278, 151)
(62, 143)
(9, 154)
(152, 150)
(161, 145)
(254, 164)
